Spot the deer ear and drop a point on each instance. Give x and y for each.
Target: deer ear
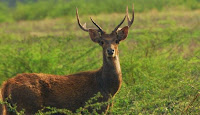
(122, 34)
(94, 35)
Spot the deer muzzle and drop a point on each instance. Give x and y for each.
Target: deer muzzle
(110, 52)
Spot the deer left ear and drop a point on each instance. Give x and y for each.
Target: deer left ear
(122, 34)
(94, 35)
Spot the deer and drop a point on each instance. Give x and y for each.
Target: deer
(34, 91)
(1, 106)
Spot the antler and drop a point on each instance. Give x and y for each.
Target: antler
(130, 22)
(100, 29)
(119, 25)
(83, 27)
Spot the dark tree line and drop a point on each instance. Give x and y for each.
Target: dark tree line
(12, 3)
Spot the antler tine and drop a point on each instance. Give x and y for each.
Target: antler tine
(119, 24)
(130, 22)
(100, 29)
(82, 27)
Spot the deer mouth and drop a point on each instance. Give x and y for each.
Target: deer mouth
(110, 56)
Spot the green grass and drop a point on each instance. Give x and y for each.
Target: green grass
(159, 59)
(59, 8)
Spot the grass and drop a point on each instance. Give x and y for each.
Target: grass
(159, 59)
(59, 8)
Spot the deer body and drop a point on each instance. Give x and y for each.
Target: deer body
(33, 91)
(71, 92)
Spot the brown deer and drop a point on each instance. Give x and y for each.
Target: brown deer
(34, 91)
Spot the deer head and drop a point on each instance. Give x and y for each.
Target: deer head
(109, 42)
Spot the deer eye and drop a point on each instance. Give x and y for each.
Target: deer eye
(101, 42)
(117, 41)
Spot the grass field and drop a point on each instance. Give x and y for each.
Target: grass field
(29, 10)
(160, 59)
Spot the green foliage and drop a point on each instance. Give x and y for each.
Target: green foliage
(12, 108)
(4, 15)
(57, 8)
(159, 59)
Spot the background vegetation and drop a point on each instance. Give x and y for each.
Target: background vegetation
(40, 9)
(159, 59)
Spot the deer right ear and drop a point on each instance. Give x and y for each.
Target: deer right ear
(122, 34)
(94, 35)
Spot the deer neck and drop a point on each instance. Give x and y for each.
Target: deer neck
(111, 74)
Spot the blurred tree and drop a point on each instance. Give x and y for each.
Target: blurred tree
(25, 1)
(12, 3)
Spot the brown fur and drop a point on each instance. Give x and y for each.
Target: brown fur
(1, 106)
(33, 91)
(2, 110)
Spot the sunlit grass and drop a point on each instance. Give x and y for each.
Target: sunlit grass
(51, 9)
(159, 59)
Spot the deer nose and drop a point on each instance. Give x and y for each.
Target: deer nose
(110, 51)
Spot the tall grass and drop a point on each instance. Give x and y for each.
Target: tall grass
(52, 8)
(159, 59)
